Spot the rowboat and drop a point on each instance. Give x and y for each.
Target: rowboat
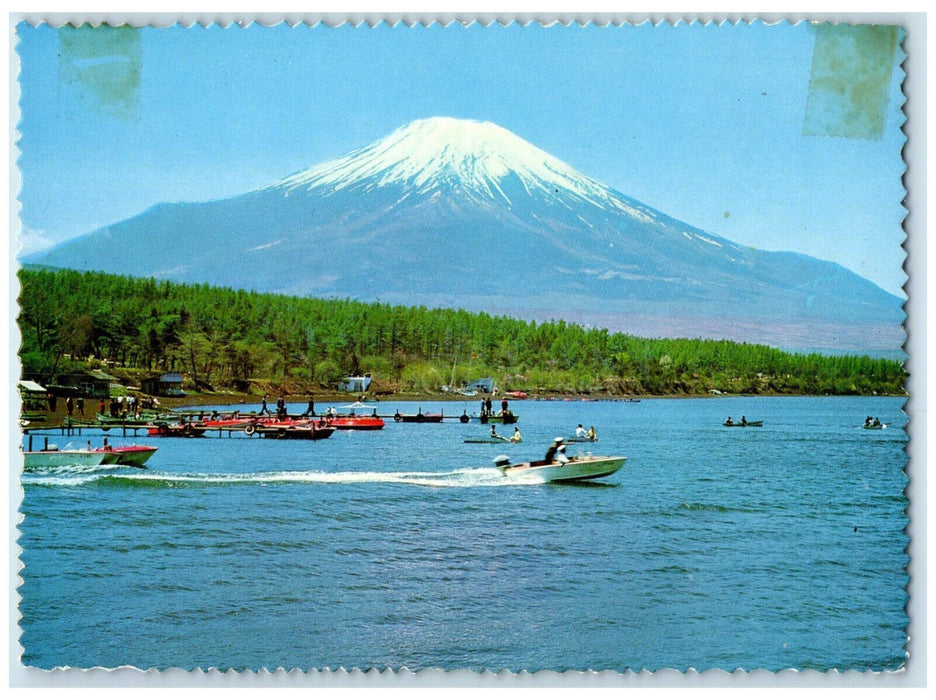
(581, 439)
(874, 426)
(52, 456)
(576, 469)
(490, 440)
(748, 424)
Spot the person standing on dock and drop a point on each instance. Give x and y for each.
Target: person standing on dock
(264, 411)
(69, 406)
(80, 404)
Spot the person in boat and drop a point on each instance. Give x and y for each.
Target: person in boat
(580, 432)
(552, 450)
(281, 408)
(504, 410)
(310, 409)
(877, 422)
(591, 434)
(729, 421)
(264, 411)
(743, 420)
(868, 420)
(488, 407)
(483, 410)
(494, 431)
(516, 437)
(561, 457)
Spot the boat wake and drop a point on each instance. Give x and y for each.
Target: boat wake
(459, 478)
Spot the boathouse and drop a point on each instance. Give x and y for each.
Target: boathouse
(167, 384)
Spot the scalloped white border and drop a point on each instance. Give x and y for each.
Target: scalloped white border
(913, 675)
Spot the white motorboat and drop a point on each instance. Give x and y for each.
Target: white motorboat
(576, 469)
(51, 456)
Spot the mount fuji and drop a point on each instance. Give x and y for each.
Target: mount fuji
(455, 213)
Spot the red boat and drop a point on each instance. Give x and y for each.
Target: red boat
(517, 394)
(130, 455)
(356, 422)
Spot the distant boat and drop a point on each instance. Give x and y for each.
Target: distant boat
(505, 417)
(745, 424)
(519, 395)
(874, 426)
(577, 469)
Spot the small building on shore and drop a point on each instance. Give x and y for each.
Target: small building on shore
(355, 385)
(485, 385)
(166, 384)
(94, 384)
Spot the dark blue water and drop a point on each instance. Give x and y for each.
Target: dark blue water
(759, 548)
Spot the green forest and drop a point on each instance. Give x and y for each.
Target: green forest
(226, 339)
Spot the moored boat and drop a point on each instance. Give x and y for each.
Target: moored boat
(356, 423)
(308, 430)
(186, 430)
(576, 469)
(505, 417)
(418, 418)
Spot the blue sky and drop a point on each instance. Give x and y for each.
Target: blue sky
(703, 122)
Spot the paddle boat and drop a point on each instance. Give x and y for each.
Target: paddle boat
(576, 469)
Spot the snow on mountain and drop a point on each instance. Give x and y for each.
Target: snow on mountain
(477, 157)
(457, 213)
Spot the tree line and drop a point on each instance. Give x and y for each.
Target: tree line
(229, 338)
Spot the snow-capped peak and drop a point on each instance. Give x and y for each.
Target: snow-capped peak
(474, 156)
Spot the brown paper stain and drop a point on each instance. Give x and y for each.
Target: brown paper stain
(850, 80)
(101, 67)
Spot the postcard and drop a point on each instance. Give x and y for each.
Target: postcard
(463, 349)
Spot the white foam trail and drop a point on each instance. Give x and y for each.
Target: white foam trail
(483, 476)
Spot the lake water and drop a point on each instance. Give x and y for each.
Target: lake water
(759, 548)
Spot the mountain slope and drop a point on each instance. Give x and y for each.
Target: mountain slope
(447, 212)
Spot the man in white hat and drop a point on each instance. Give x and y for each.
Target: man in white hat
(554, 448)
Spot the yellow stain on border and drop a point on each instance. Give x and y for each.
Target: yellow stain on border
(101, 68)
(850, 80)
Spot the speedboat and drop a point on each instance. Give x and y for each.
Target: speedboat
(576, 469)
(128, 455)
(52, 456)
